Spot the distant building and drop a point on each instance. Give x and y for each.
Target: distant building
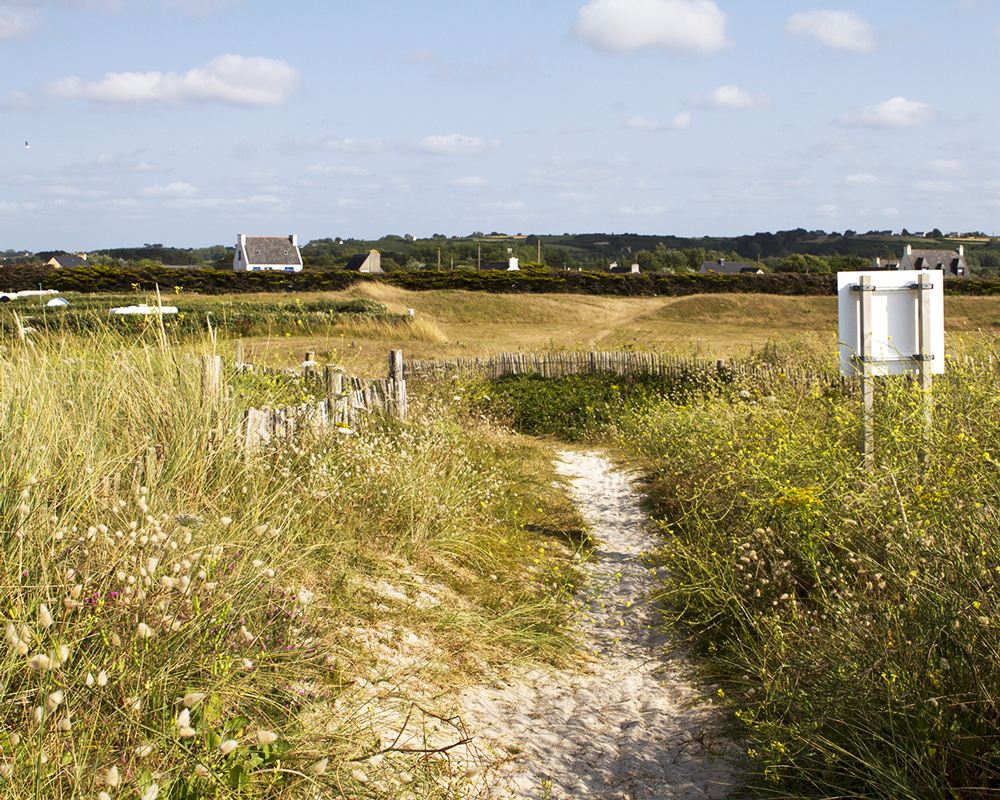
(630, 270)
(370, 262)
(256, 253)
(724, 267)
(65, 262)
(951, 262)
(503, 266)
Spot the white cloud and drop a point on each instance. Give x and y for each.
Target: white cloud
(423, 56)
(337, 172)
(455, 144)
(838, 30)
(356, 146)
(860, 179)
(697, 27)
(471, 182)
(945, 166)
(201, 8)
(644, 211)
(175, 189)
(14, 24)
(895, 113)
(934, 187)
(733, 98)
(228, 79)
(680, 122)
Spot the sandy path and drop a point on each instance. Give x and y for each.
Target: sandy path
(626, 726)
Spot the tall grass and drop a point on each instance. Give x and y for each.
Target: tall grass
(185, 619)
(850, 616)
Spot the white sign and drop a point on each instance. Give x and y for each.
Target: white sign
(895, 322)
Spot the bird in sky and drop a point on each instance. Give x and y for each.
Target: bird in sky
(27, 145)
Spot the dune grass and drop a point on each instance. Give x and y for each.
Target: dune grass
(850, 616)
(185, 619)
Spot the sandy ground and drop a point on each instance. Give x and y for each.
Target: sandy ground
(626, 725)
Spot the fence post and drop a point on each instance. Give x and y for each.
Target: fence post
(397, 383)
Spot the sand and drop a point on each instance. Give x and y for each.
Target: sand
(628, 724)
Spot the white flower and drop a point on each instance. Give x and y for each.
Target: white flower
(151, 792)
(184, 718)
(260, 530)
(65, 724)
(53, 700)
(202, 771)
(228, 746)
(359, 776)
(112, 778)
(320, 766)
(143, 750)
(38, 662)
(187, 732)
(226, 521)
(266, 737)
(193, 698)
(247, 664)
(143, 631)
(103, 796)
(102, 678)
(14, 739)
(44, 617)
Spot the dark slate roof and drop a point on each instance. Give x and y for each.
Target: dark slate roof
(70, 261)
(497, 265)
(271, 250)
(950, 261)
(356, 262)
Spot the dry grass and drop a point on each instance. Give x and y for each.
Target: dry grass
(448, 324)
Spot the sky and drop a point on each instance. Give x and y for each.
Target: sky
(188, 122)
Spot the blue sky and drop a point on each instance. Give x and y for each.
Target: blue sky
(188, 122)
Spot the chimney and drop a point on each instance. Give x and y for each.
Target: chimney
(294, 240)
(908, 250)
(961, 250)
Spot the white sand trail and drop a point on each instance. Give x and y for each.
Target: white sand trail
(626, 726)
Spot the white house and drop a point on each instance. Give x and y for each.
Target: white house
(255, 253)
(951, 262)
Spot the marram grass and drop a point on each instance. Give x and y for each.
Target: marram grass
(184, 619)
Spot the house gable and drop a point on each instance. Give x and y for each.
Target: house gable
(951, 262)
(370, 262)
(724, 267)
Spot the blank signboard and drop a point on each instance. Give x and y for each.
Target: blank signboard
(895, 332)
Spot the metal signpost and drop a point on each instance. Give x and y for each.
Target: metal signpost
(891, 323)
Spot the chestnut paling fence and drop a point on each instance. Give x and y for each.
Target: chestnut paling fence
(344, 402)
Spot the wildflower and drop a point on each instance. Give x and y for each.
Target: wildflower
(14, 739)
(44, 617)
(226, 521)
(266, 737)
(228, 746)
(405, 777)
(143, 750)
(102, 678)
(112, 778)
(65, 724)
(143, 631)
(193, 698)
(184, 719)
(247, 636)
(202, 771)
(103, 796)
(151, 792)
(187, 732)
(320, 766)
(6, 769)
(260, 530)
(359, 776)
(247, 664)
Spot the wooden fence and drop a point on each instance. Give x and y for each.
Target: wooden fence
(560, 363)
(345, 402)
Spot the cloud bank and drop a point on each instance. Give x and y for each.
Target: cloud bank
(681, 121)
(838, 30)
(228, 79)
(14, 24)
(455, 144)
(696, 27)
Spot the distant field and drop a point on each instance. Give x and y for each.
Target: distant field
(476, 324)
